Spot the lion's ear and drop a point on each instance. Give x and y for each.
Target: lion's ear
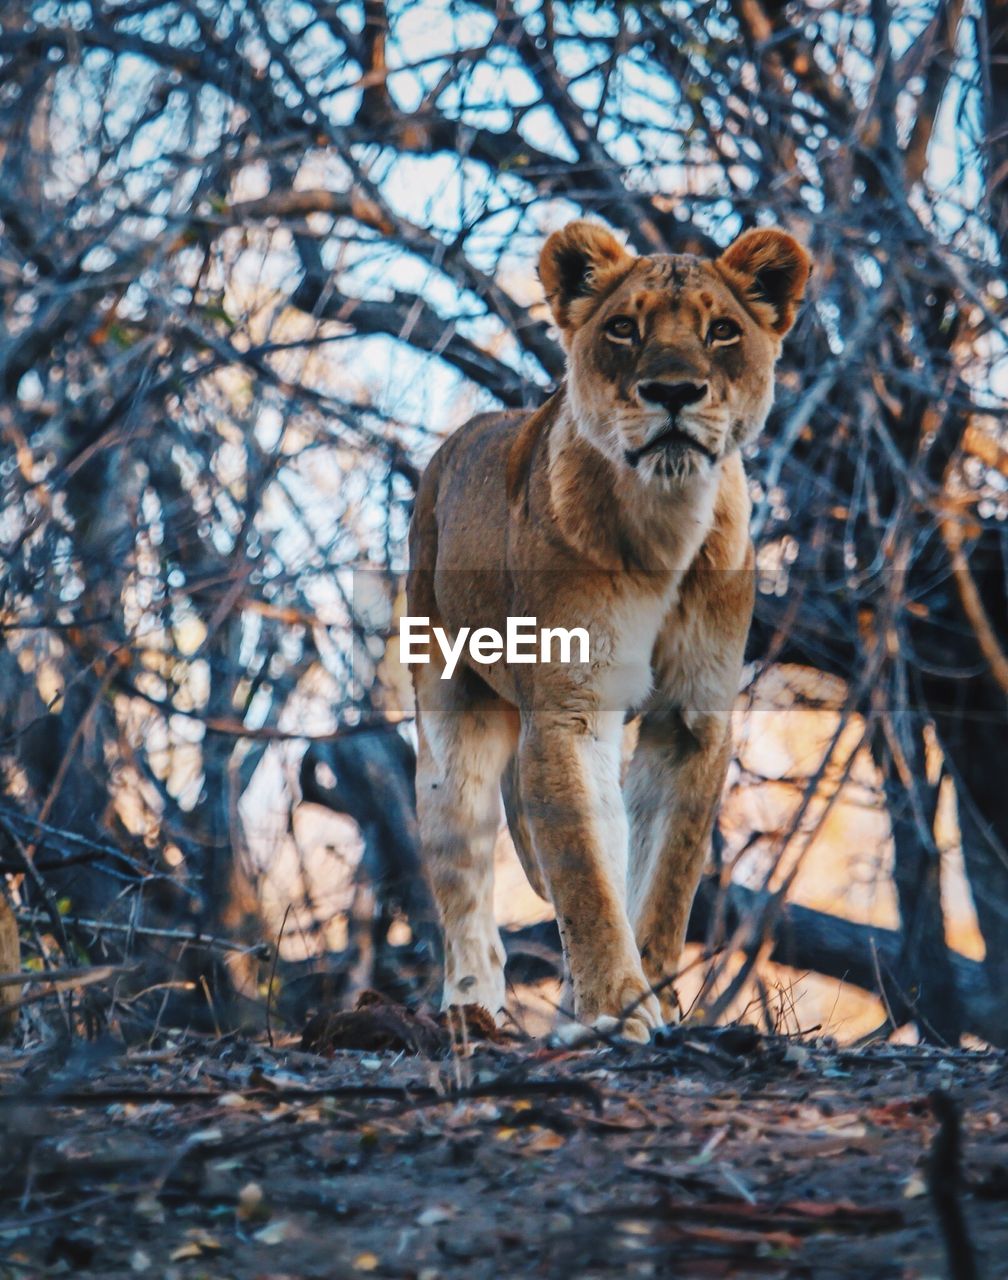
(772, 270)
(575, 265)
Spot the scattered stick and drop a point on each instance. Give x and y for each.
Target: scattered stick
(61, 836)
(944, 1176)
(883, 996)
(261, 950)
(972, 603)
(273, 969)
(210, 1004)
(85, 976)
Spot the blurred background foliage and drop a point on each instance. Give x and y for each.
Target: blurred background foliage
(258, 257)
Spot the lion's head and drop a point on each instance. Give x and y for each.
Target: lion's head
(671, 358)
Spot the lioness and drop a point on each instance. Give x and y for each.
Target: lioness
(620, 506)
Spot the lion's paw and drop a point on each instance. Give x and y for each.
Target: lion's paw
(635, 1029)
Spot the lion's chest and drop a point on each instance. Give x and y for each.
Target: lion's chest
(696, 661)
(625, 646)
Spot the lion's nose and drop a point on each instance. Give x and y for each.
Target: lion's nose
(672, 396)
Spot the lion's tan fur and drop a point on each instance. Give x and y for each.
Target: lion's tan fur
(545, 516)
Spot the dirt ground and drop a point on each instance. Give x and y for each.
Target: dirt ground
(720, 1153)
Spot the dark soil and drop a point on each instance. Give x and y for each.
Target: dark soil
(719, 1154)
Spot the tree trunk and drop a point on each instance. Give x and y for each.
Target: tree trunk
(10, 963)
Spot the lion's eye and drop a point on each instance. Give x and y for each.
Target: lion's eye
(621, 329)
(723, 330)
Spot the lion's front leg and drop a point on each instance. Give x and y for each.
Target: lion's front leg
(575, 814)
(464, 742)
(672, 791)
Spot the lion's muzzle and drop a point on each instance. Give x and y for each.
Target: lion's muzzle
(672, 434)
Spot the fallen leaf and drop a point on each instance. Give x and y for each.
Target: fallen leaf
(545, 1140)
(203, 1137)
(204, 1239)
(276, 1232)
(185, 1251)
(915, 1187)
(472, 1022)
(436, 1214)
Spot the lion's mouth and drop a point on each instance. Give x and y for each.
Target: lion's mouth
(672, 434)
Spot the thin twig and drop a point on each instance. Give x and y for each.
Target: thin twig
(261, 950)
(881, 985)
(273, 968)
